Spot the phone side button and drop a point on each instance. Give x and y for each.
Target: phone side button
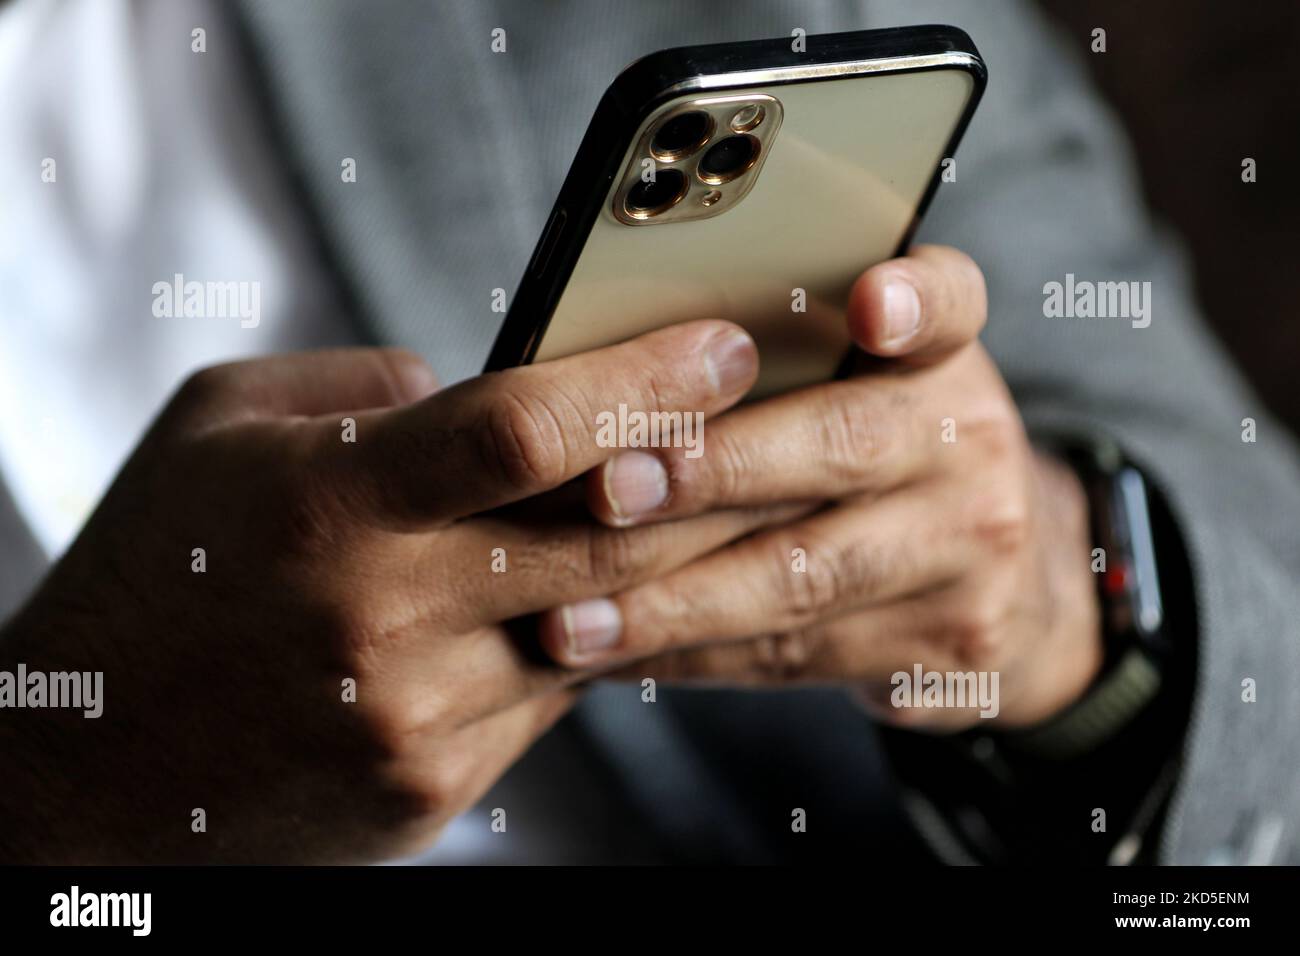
(550, 238)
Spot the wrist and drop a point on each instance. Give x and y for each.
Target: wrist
(1133, 546)
(1066, 657)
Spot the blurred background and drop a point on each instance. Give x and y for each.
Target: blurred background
(1208, 85)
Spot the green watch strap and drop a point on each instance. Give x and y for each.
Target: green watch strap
(1110, 704)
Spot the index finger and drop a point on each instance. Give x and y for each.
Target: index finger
(509, 435)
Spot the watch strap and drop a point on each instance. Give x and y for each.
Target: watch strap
(1119, 695)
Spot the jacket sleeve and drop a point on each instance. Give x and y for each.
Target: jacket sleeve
(1045, 189)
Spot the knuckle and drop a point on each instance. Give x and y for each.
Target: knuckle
(390, 726)
(674, 612)
(406, 375)
(977, 633)
(437, 785)
(212, 380)
(1002, 524)
(850, 437)
(807, 594)
(657, 386)
(785, 656)
(614, 556)
(524, 443)
(727, 466)
(658, 373)
(398, 719)
(1000, 517)
(205, 389)
(429, 785)
(1000, 433)
(858, 568)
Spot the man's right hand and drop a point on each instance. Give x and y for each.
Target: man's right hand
(324, 561)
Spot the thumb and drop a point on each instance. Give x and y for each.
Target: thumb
(920, 308)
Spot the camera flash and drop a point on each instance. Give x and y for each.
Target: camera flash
(747, 117)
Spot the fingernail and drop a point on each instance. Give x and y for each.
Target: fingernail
(636, 483)
(902, 312)
(730, 361)
(591, 626)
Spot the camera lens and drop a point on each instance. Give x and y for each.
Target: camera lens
(681, 136)
(728, 158)
(647, 199)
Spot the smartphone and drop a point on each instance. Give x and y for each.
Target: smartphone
(748, 181)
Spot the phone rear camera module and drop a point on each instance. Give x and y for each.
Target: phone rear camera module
(728, 158)
(647, 199)
(681, 135)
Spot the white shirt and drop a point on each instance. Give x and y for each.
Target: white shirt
(157, 169)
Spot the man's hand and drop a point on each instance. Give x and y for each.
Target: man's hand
(326, 561)
(950, 543)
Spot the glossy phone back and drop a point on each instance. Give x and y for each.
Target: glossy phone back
(841, 186)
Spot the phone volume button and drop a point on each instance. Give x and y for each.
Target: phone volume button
(550, 238)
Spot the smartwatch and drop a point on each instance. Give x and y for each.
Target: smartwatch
(1136, 641)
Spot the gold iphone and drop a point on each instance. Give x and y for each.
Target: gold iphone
(746, 181)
